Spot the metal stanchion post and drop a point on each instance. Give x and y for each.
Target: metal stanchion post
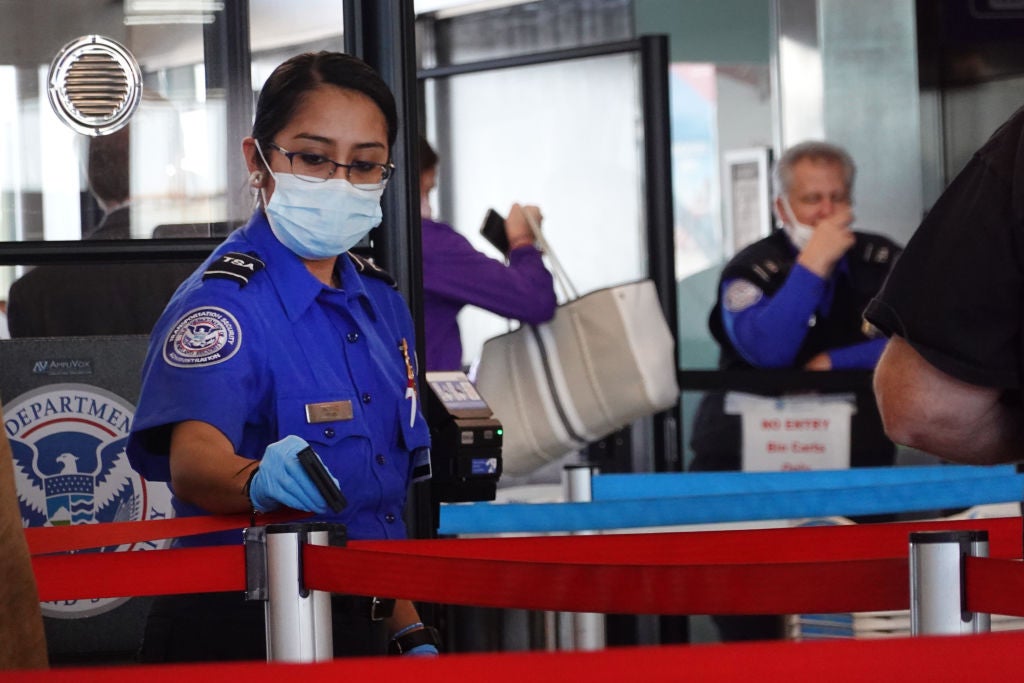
(938, 600)
(587, 628)
(298, 620)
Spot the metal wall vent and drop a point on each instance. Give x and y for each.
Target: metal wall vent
(95, 85)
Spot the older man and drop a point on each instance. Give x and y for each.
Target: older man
(795, 299)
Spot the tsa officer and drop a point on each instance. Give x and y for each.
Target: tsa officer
(285, 340)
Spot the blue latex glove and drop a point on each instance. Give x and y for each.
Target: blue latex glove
(424, 650)
(281, 480)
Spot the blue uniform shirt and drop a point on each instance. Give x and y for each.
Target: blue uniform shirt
(257, 359)
(769, 331)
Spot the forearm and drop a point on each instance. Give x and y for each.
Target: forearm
(927, 409)
(206, 471)
(405, 614)
(770, 333)
(534, 300)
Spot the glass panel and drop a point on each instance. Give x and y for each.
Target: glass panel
(172, 147)
(165, 167)
(277, 31)
(717, 111)
(524, 28)
(171, 172)
(529, 135)
(692, 102)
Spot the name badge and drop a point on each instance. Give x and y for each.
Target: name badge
(328, 412)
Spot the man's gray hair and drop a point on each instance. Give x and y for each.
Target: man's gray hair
(782, 174)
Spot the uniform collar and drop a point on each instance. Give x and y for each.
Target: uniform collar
(295, 285)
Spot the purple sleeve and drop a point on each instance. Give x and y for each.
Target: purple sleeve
(453, 269)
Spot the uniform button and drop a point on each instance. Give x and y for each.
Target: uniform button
(380, 459)
(352, 336)
(329, 433)
(367, 398)
(389, 518)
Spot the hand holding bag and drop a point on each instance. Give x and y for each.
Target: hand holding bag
(606, 359)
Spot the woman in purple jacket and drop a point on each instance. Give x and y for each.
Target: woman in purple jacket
(455, 274)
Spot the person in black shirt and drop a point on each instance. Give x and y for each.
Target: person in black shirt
(949, 380)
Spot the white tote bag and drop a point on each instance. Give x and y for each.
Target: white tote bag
(606, 359)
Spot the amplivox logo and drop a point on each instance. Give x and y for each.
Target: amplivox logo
(63, 366)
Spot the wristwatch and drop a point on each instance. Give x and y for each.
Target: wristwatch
(427, 635)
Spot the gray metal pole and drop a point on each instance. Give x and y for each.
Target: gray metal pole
(298, 620)
(588, 628)
(938, 601)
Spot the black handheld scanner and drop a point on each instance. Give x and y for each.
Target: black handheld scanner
(319, 475)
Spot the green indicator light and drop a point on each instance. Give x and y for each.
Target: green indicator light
(500, 432)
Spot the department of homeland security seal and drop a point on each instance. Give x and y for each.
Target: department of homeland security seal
(203, 336)
(70, 467)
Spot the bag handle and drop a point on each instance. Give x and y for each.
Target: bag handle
(561, 277)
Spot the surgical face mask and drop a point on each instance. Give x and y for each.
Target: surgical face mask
(425, 210)
(318, 220)
(799, 233)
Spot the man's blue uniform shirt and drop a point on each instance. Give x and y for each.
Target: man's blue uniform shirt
(250, 359)
(769, 331)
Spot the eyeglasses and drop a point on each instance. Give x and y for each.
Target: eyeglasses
(316, 168)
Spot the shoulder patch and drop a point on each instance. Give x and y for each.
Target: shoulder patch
(741, 295)
(370, 269)
(203, 336)
(235, 266)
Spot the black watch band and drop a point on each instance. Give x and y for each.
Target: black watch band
(427, 635)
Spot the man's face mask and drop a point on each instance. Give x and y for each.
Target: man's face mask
(799, 233)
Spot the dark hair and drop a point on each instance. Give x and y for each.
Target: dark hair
(428, 157)
(291, 80)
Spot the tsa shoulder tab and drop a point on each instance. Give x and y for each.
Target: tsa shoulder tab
(370, 269)
(236, 266)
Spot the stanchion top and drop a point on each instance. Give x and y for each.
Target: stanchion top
(966, 536)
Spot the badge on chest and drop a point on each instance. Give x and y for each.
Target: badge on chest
(331, 411)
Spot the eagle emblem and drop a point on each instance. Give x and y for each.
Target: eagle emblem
(70, 467)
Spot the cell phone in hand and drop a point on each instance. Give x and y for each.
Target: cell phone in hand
(494, 230)
(318, 474)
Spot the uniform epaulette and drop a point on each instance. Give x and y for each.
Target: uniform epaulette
(766, 269)
(764, 262)
(876, 249)
(235, 266)
(370, 269)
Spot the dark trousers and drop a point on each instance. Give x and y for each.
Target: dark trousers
(737, 627)
(225, 627)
